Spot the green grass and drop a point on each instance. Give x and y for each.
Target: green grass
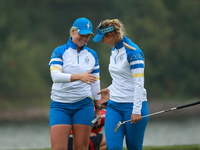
(181, 147)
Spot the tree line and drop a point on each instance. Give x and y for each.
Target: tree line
(167, 31)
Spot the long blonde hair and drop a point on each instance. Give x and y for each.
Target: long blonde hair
(119, 27)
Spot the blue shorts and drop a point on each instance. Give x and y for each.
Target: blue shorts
(81, 112)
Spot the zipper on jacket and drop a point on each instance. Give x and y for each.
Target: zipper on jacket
(78, 57)
(116, 56)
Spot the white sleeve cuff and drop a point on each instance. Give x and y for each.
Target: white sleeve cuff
(136, 111)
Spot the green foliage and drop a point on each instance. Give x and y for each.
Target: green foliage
(167, 31)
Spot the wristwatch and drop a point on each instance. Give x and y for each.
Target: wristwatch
(98, 107)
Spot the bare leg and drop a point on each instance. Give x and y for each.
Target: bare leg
(81, 135)
(60, 136)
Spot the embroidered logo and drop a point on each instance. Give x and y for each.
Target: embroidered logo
(135, 57)
(88, 25)
(121, 57)
(87, 59)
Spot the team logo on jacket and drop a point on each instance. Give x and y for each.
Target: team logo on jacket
(121, 57)
(87, 59)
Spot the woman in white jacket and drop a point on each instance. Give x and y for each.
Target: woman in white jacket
(126, 94)
(75, 74)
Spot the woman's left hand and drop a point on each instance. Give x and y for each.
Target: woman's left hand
(135, 118)
(105, 95)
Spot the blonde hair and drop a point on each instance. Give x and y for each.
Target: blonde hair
(70, 31)
(119, 27)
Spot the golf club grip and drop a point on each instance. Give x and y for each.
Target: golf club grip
(171, 109)
(188, 105)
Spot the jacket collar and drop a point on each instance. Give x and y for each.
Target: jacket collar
(120, 43)
(73, 45)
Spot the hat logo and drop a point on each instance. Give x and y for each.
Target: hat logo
(88, 25)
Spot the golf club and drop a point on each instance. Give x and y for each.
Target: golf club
(93, 122)
(159, 112)
(95, 119)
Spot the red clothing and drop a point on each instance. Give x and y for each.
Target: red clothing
(103, 113)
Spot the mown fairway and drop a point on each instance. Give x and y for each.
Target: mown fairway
(181, 147)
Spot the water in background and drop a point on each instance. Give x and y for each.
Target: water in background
(159, 132)
(167, 132)
(24, 135)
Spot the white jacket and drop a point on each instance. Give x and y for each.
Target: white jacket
(127, 71)
(66, 60)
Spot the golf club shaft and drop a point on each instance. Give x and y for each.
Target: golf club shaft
(148, 115)
(97, 132)
(170, 109)
(96, 126)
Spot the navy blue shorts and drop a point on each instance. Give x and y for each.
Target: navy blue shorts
(81, 112)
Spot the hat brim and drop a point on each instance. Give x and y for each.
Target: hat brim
(98, 37)
(83, 32)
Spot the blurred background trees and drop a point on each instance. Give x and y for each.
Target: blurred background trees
(167, 31)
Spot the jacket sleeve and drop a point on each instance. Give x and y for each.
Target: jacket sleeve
(96, 86)
(56, 68)
(136, 61)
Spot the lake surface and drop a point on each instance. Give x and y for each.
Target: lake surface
(167, 132)
(159, 132)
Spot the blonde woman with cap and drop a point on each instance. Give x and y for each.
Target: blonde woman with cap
(126, 95)
(74, 71)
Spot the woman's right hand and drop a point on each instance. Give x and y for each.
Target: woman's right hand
(105, 95)
(84, 77)
(88, 78)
